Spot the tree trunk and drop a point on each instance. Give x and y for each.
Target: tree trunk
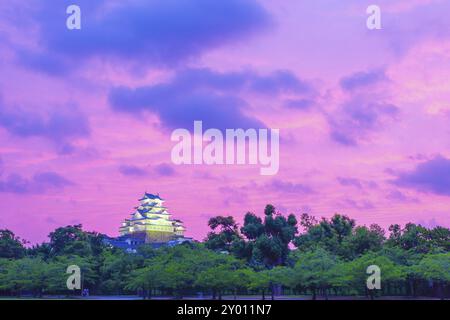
(441, 290)
(263, 295)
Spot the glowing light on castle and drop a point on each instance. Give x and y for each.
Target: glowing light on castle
(152, 222)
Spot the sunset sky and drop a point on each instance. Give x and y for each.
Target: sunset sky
(86, 115)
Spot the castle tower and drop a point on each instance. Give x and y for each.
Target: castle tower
(152, 221)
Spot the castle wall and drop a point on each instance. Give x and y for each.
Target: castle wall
(159, 236)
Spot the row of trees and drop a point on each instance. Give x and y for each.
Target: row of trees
(332, 255)
(266, 255)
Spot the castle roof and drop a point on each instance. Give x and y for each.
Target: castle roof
(150, 196)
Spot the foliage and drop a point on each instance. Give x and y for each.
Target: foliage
(331, 257)
(227, 233)
(266, 243)
(10, 245)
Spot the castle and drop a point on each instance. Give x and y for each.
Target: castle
(151, 224)
(152, 220)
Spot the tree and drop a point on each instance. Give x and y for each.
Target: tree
(313, 270)
(331, 255)
(260, 281)
(411, 237)
(89, 268)
(146, 279)
(11, 246)
(279, 276)
(242, 279)
(227, 233)
(435, 268)
(439, 238)
(392, 274)
(328, 234)
(218, 279)
(115, 268)
(72, 240)
(267, 244)
(25, 275)
(362, 240)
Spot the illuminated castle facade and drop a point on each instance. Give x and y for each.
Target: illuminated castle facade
(152, 223)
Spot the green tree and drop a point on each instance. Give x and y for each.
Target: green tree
(25, 274)
(266, 244)
(330, 235)
(218, 279)
(362, 240)
(115, 268)
(11, 246)
(411, 237)
(224, 233)
(72, 240)
(392, 274)
(146, 279)
(260, 281)
(314, 270)
(439, 238)
(435, 268)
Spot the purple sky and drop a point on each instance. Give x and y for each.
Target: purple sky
(86, 115)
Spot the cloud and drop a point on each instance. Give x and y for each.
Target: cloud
(356, 119)
(233, 195)
(157, 32)
(362, 79)
(272, 83)
(51, 220)
(432, 176)
(288, 187)
(280, 81)
(65, 123)
(42, 61)
(350, 182)
(366, 107)
(165, 170)
(430, 224)
(357, 183)
(130, 170)
(360, 205)
(299, 104)
(419, 24)
(206, 95)
(39, 183)
(396, 195)
(180, 110)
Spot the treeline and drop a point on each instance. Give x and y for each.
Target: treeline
(268, 255)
